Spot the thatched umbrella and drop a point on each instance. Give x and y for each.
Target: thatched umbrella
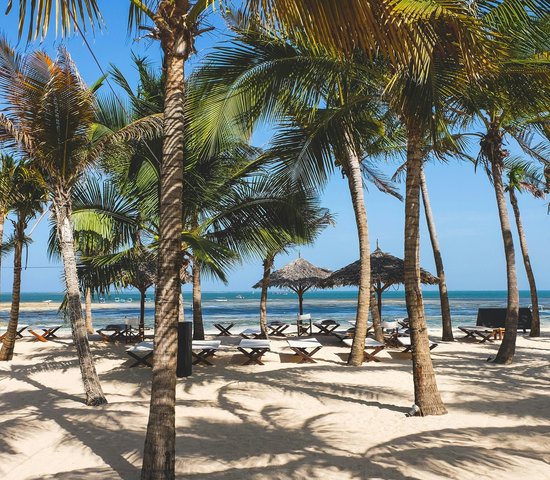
(299, 276)
(386, 270)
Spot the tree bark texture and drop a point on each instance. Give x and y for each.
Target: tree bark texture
(376, 318)
(267, 264)
(8, 344)
(2, 222)
(507, 348)
(90, 379)
(426, 393)
(198, 325)
(535, 324)
(88, 306)
(355, 182)
(159, 450)
(447, 326)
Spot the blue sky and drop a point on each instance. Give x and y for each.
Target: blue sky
(463, 201)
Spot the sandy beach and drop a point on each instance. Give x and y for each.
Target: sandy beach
(282, 420)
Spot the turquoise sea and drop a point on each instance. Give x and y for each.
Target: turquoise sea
(243, 307)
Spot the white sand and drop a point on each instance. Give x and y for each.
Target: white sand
(282, 420)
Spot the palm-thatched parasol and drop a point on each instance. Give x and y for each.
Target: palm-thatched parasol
(299, 276)
(386, 270)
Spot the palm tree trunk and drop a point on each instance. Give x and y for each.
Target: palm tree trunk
(268, 263)
(447, 326)
(535, 324)
(376, 318)
(92, 387)
(426, 393)
(198, 325)
(355, 182)
(8, 345)
(88, 305)
(159, 454)
(300, 301)
(2, 222)
(142, 296)
(507, 348)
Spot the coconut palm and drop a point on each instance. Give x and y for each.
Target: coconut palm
(524, 177)
(27, 200)
(7, 167)
(48, 116)
(505, 106)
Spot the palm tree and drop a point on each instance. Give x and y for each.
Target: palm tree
(523, 177)
(7, 167)
(27, 199)
(506, 102)
(47, 119)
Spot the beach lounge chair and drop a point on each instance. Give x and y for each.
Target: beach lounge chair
(484, 333)
(112, 332)
(141, 353)
(326, 326)
(18, 332)
(406, 343)
(254, 350)
(277, 328)
(48, 331)
(303, 324)
(224, 328)
(251, 333)
(343, 334)
(301, 346)
(203, 349)
(372, 348)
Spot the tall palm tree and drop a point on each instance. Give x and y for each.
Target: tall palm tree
(48, 116)
(7, 167)
(27, 199)
(505, 102)
(523, 177)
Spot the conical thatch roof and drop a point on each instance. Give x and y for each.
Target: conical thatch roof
(298, 274)
(386, 270)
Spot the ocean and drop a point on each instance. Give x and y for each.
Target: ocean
(243, 307)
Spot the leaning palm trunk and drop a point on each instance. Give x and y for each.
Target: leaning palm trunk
(508, 346)
(535, 324)
(8, 344)
(447, 334)
(159, 456)
(198, 325)
(88, 305)
(2, 222)
(92, 387)
(426, 394)
(355, 182)
(268, 263)
(376, 318)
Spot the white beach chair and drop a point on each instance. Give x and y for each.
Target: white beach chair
(251, 333)
(372, 347)
(141, 353)
(405, 341)
(203, 349)
(303, 324)
(254, 349)
(301, 346)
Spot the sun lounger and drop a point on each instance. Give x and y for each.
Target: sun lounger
(343, 334)
(326, 326)
(203, 349)
(370, 344)
(277, 328)
(18, 332)
(224, 328)
(484, 333)
(112, 332)
(251, 333)
(254, 350)
(406, 343)
(141, 353)
(301, 346)
(48, 331)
